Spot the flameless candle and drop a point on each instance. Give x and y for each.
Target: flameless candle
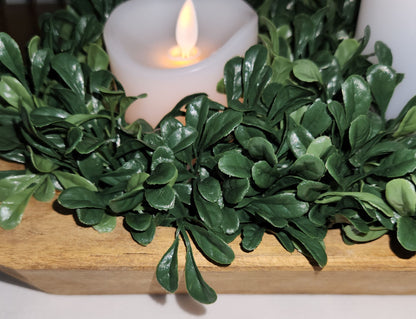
(394, 23)
(152, 51)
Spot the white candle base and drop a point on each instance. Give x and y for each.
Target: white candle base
(140, 33)
(394, 23)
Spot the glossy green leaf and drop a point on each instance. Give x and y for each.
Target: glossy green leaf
(97, 58)
(234, 164)
(383, 81)
(80, 197)
(68, 180)
(401, 195)
(11, 57)
(406, 232)
(210, 189)
(15, 93)
(167, 269)
(69, 69)
(260, 148)
(235, 189)
(40, 68)
(263, 174)
(357, 97)
(383, 53)
(233, 79)
(46, 190)
(313, 246)
(90, 216)
(146, 237)
(397, 164)
(220, 125)
(316, 119)
(309, 167)
(309, 191)
(12, 208)
(127, 202)
(230, 221)
(346, 50)
(252, 236)
(163, 174)
(139, 222)
(408, 124)
(195, 284)
(107, 224)
(161, 198)
(283, 205)
(211, 245)
(307, 71)
(353, 234)
(320, 147)
(210, 213)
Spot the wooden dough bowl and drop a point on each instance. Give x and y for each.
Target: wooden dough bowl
(48, 251)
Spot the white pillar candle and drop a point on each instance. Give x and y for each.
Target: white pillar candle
(394, 23)
(140, 34)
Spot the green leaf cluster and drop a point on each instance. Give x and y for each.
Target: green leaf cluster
(302, 146)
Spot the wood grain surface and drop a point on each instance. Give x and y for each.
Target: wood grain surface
(50, 252)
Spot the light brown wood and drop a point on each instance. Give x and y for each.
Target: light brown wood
(50, 252)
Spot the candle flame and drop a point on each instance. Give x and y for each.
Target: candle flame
(187, 29)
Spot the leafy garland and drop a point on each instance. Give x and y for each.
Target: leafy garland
(303, 145)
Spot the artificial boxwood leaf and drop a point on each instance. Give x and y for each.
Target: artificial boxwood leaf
(210, 213)
(233, 79)
(357, 97)
(234, 164)
(235, 189)
(12, 208)
(90, 216)
(299, 140)
(261, 149)
(283, 205)
(195, 284)
(127, 202)
(68, 180)
(46, 190)
(383, 53)
(211, 245)
(309, 167)
(219, 125)
(146, 237)
(97, 58)
(42, 163)
(163, 174)
(80, 197)
(40, 68)
(356, 236)
(408, 124)
(397, 164)
(406, 232)
(230, 221)
(69, 69)
(316, 119)
(161, 198)
(320, 147)
(263, 174)
(313, 246)
(285, 241)
(15, 93)
(383, 81)
(11, 57)
(256, 73)
(107, 224)
(139, 222)
(167, 269)
(252, 236)
(307, 71)
(181, 138)
(210, 189)
(401, 195)
(346, 50)
(310, 190)
(162, 154)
